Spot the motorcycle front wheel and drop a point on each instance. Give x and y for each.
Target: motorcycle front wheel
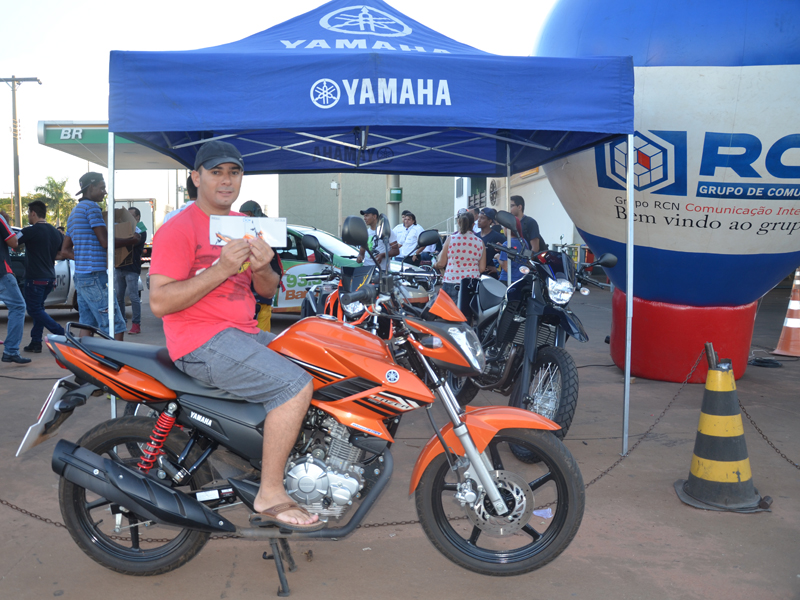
(463, 388)
(123, 541)
(553, 390)
(546, 498)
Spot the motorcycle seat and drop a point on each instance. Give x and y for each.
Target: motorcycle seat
(154, 361)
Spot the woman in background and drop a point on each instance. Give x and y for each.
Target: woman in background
(463, 256)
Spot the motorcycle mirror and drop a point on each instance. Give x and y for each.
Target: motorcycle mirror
(506, 219)
(382, 229)
(310, 242)
(606, 260)
(427, 238)
(354, 231)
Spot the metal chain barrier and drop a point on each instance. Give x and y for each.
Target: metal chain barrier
(646, 433)
(766, 439)
(416, 521)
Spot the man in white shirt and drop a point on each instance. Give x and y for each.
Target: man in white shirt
(377, 245)
(400, 229)
(408, 247)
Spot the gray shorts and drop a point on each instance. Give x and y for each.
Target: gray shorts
(240, 363)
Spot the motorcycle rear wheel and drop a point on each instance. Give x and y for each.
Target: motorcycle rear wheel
(553, 389)
(91, 524)
(558, 504)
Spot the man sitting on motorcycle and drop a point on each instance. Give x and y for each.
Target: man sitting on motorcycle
(203, 293)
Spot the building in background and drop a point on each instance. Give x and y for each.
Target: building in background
(310, 199)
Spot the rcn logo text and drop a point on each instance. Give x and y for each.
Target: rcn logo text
(728, 163)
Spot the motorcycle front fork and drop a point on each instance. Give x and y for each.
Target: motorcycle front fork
(479, 465)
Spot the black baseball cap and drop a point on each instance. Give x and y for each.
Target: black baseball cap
(490, 213)
(215, 153)
(370, 211)
(88, 179)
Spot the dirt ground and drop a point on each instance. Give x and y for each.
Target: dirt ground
(637, 539)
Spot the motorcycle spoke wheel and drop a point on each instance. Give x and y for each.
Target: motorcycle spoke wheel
(553, 483)
(113, 536)
(553, 391)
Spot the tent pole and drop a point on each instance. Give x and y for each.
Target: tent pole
(111, 236)
(628, 297)
(508, 206)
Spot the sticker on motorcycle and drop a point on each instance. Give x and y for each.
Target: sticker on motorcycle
(392, 376)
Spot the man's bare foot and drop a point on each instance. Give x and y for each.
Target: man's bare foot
(296, 517)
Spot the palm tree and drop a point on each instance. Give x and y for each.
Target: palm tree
(57, 199)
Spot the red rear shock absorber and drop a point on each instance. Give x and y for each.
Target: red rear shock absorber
(154, 448)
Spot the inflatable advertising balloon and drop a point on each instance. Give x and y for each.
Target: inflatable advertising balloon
(717, 169)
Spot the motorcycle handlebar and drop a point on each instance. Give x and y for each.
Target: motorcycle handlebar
(365, 295)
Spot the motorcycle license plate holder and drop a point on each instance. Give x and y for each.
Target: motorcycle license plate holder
(40, 431)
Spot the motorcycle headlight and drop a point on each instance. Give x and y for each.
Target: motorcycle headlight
(353, 310)
(560, 290)
(470, 345)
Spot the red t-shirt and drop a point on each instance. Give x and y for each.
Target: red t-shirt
(181, 250)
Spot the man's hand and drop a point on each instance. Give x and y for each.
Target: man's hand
(234, 255)
(261, 254)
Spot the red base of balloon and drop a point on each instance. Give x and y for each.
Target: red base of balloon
(667, 338)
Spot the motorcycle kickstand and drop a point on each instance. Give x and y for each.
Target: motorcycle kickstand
(280, 550)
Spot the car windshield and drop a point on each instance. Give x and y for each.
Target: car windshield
(329, 242)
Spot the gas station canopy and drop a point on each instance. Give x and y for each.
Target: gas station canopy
(88, 140)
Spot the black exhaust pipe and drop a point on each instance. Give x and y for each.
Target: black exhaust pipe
(140, 494)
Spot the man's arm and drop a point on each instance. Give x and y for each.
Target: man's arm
(66, 249)
(102, 236)
(169, 295)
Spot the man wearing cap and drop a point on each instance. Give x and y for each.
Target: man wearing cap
(203, 294)
(489, 236)
(376, 245)
(86, 241)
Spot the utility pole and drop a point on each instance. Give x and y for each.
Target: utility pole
(14, 83)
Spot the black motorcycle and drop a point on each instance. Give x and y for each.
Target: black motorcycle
(523, 329)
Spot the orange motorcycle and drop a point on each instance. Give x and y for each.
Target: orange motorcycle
(141, 496)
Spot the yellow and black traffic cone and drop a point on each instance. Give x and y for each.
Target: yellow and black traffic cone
(720, 476)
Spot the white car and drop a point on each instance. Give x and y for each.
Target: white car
(63, 294)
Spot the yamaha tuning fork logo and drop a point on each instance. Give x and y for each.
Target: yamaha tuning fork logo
(325, 93)
(364, 20)
(659, 167)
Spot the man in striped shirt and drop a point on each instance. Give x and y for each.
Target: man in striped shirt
(87, 241)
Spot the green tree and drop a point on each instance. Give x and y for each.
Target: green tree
(59, 202)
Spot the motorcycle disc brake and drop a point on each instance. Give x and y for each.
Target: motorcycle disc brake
(518, 496)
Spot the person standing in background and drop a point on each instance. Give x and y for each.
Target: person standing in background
(530, 228)
(126, 278)
(489, 236)
(463, 256)
(409, 252)
(263, 305)
(191, 191)
(11, 296)
(86, 241)
(42, 248)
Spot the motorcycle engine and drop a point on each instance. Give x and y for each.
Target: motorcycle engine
(328, 477)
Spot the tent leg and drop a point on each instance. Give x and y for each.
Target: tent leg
(628, 298)
(508, 206)
(110, 204)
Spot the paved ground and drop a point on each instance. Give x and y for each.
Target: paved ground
(637, 540)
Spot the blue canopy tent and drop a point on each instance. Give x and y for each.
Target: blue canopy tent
(364, 88)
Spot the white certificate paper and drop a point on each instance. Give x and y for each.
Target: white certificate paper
(223, 229)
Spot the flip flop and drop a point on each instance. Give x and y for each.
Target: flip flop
(269, 518)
